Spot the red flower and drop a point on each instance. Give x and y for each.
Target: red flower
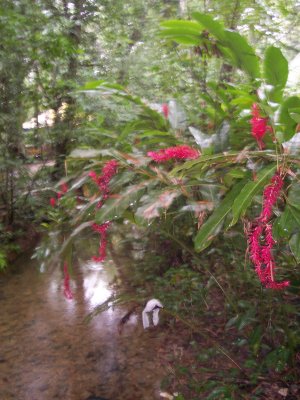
(93, 175)
(108, 171)
(64, 187)
(52, 202)
(259, 126)
(260, 238)
(67, 290)
(165, 109)
(270, 196)
(182, 152)
(101, 229)
(59, 195)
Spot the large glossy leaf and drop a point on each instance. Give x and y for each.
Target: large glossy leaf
(154, 203)
(115, 207)
(275, 67)
(183, 25)
(288, 123)
(78, 230)
(244, 55)
(211, 25)
(197, 168)
(288, 223)
(90, 153)
(294, 195)
(187, 37)
(294, 244)
(211, 227)
(241, 52)
(245, 197)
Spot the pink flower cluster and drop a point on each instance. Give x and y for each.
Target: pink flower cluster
(108, 171)
(260, 238)
(67, 290)
(182, 152)
(63, 190)
(259, 126)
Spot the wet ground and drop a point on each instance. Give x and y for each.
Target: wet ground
(47, 351)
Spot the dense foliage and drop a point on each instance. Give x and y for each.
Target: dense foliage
(196, 158)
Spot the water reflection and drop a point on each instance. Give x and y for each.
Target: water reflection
(96, 285)
(48, 352)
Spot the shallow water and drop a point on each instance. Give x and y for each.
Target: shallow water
(47, 351)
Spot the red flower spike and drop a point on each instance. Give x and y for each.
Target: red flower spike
(261, 241)
(108, 171)
(270, 196)
(52, 202)
(182, 152)
(59, 195)
(67, 290)
(165, 109)
(101, 229)
(259, 126)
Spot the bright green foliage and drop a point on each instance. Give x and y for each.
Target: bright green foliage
(275, 72)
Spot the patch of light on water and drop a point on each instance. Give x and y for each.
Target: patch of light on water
(94, 266)
(96, 289)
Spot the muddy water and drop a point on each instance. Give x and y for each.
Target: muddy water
(47, 351)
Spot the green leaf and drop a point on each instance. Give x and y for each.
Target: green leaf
(245, 197)
(211, 227)
(114, 208)
(294, 195)
(205, 162)
(183, 26)
(255, 339)
(275, 67)
(288, 222)
(289, 124)
(92, 85)
(214, 27)
(187, 37)
(294, 244)
(244, 55)
(295, 114)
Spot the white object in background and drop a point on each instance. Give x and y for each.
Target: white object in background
(153, 306)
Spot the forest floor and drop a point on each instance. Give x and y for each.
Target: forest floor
(203, 360)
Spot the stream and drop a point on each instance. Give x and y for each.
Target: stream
(48, 351)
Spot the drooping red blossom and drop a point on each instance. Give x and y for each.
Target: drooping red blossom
(270, 196)
(182, 152)
(67, 290)
(254, 245)
(260, 238)
(64, 187)
(52, 202)
(259, 126)
(59, 195)
(102, 230)
(165, 109)
(108, 171)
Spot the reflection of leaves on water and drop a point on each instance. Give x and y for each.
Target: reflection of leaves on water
(111, 303)
(126, 318)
